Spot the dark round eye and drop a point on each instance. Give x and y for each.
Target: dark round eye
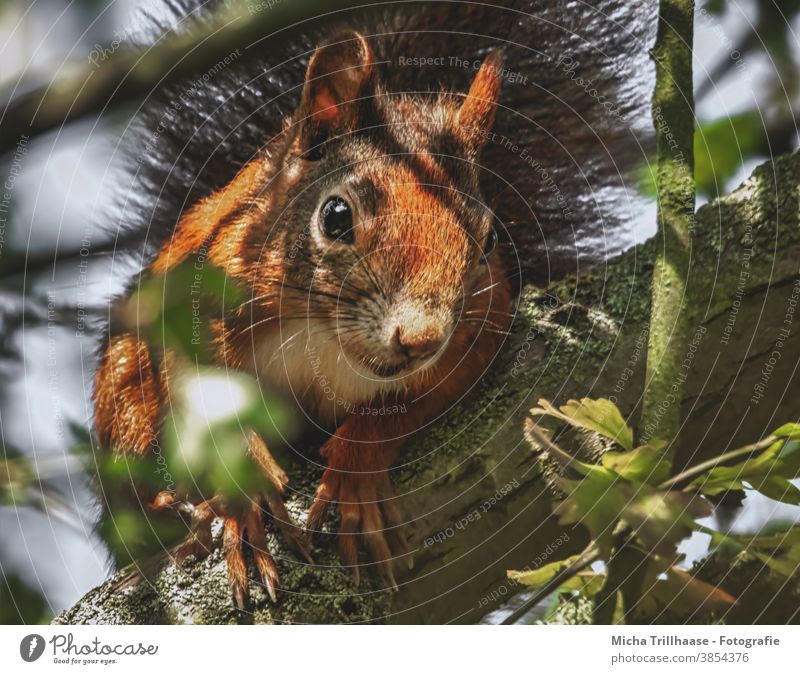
(336, 220)
(490, 245)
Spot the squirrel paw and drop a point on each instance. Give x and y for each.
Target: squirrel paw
(367, 505)
(240, 524)
(237, 526)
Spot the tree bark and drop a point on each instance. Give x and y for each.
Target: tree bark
(673, 118)
(470, 483)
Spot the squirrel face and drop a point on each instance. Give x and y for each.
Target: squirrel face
(364, 222)
(380, 193)
(388, 244)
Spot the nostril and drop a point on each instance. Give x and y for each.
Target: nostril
(418, 346)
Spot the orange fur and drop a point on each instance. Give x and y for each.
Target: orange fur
(127, 395)
(199, 227)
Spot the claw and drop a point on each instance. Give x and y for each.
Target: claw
(348, 543)
(258, 451)
(376, 541)
(277, 480)
(394, 525)
(198, 543)
(318, 509)
(367, 508)
(232, 549)
(264, 562)
(163, 500)
(237, 524)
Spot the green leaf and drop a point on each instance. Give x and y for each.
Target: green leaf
(662, 519)
(790, 431)
(595, 501)
(587, 583)
(16, 476)
(600, 416)
(777, 488)
(780, 550)
(768, 473)
(542, 575)
(643, 464)
(177, 310)
(720, 147)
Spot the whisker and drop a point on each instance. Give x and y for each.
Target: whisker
(483, 290)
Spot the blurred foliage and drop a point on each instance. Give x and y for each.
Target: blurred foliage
(177, 310)
(636, 517)
(27, 483)
(202, 449)
(724, 144)
(622, 500)
(16, 477)
(22, 486)
(720, 148)
(20, 604)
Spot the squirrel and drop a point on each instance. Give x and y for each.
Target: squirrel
(358, 225)
(372, 242)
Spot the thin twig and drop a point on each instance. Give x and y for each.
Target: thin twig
(700, 468)
(590, 555)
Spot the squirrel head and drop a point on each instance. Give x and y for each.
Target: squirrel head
(365, 217)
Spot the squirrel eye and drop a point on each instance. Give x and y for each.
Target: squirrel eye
(336, 220)
(490, 245)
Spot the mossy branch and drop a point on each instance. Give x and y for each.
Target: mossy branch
(673, 117)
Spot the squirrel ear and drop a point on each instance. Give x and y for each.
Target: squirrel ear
(477, 111)
(338, 76)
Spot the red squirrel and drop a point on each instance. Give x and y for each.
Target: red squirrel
(368, 256)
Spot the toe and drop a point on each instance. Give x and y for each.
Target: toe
(348, 536)
(293, 535)
(267, 570)
(259, 452)
(376, 542)
(198, 543)
(394, 528)
(322, 500)
(232, 549)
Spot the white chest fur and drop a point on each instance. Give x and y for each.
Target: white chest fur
(304, 361)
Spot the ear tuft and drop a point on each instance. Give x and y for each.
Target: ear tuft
(478, 109)
(338, 74)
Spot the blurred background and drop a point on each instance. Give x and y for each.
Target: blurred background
(58, 186)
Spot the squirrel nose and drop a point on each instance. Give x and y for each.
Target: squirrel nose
(418, 345)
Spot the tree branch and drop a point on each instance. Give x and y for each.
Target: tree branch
(673, 117)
